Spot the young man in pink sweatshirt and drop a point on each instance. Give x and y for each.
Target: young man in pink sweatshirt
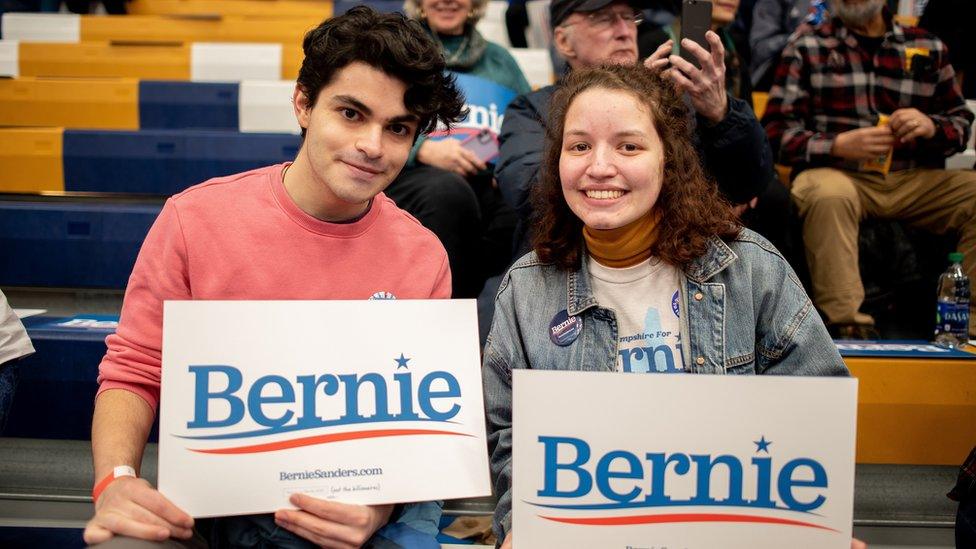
(317, 228)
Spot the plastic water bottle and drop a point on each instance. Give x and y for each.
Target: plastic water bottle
(952, 313)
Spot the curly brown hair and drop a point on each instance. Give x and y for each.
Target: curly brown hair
(690, 206)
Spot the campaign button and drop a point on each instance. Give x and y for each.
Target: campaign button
(564, 329)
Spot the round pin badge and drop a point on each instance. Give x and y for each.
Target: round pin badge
(564, 329)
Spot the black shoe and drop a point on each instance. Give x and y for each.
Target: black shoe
(853, 331)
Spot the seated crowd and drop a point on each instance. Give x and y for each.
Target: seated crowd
(634, 178)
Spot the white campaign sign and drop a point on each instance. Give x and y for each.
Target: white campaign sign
(367, 402)
(682, 461)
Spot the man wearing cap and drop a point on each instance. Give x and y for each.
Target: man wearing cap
(589, 33)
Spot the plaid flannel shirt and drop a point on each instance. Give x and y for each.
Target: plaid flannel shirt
(826, 84)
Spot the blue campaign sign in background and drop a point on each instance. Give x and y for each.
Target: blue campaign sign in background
(486, 102)
(896, 348)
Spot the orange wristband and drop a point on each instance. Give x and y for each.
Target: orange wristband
(120, 471)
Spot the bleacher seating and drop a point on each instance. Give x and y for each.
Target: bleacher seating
(74, 103)
(164, 162)
(30, 160)
(57, 386)
(71, 28)
(83, 244)
(158, 162)
(386, 6)
(101, 59)
(198, 61)
(265, 8)
(188, 105)
(132, 104)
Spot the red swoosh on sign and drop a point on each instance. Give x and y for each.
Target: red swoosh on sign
(322, 439)
(681, 517)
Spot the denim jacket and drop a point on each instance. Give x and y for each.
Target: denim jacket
(743, 311)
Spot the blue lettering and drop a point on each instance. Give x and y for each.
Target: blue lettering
(255, 400)
(659, 468)
(309, 385)
(652, 361)
(406, 397)
(616, 465)
(763, 468)
(704, 465)
(353, 383)
(552, 467)
(432, 388)
(604, 474)
(202, 396)
(787, 483)
(425, 395)
(625, 359)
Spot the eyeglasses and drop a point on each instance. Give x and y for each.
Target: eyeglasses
(604, 19)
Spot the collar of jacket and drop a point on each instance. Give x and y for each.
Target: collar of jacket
(717, 257)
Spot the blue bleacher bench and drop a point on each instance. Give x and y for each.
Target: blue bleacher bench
(164, 162)
(56, 393)
(71, 244)
(191, 105)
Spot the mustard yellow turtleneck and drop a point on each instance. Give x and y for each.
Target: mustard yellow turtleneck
(624, 246)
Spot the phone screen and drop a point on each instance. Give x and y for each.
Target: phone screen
(696, 19)
(482, 144)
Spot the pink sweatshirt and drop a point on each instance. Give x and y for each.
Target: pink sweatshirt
(242, 237)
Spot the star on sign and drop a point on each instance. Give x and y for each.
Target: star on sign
(401, 362)
(762, 445)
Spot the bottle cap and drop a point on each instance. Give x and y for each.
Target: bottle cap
(955, 257)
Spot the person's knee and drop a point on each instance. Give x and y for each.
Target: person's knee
(824, 187)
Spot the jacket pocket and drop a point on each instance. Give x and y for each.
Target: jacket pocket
(741, 365)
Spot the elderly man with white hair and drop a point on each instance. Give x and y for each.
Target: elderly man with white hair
(866, 111)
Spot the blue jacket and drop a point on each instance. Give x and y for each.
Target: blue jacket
(734, 151)
(743, 311)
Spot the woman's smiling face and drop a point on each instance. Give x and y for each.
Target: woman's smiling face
(446, 16)
(612, 161)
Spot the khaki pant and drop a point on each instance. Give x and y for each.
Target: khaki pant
(833, 202)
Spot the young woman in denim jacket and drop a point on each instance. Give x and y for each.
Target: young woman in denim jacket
(623, 193)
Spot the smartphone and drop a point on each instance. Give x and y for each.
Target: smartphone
(482, 144)
(696, 19)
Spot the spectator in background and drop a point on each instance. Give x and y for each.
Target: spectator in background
(14, 345)
(767, 213)
(446, 186)
(833, 84)
(773, 21)
(724, 13)
(589, 33)
(944, 18)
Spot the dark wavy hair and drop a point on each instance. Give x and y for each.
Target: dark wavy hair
(691, 208)
(393, 44)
